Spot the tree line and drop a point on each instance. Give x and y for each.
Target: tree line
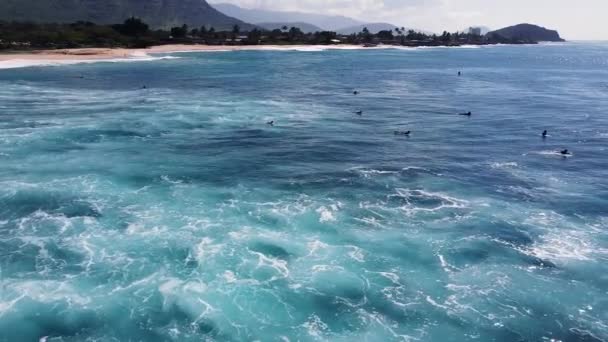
(134, 33)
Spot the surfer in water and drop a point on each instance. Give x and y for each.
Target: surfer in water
(545, 134)
(356, 92)
(565, 152)
(359, 112)
(466, 114)
(270, 123)
(403, 133)
(459, 73)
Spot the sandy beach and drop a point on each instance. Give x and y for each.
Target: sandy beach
(20, 59)
(71, 56)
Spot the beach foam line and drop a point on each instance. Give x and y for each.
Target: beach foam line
(42, 62)
(82, 56)
(289, 48)
(85, 56)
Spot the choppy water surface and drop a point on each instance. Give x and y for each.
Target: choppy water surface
(175, 213)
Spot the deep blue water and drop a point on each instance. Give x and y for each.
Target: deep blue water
(175, 213)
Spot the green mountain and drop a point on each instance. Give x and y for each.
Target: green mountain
(526, 33)
(156, 13)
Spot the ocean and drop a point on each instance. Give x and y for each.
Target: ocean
(174, 212)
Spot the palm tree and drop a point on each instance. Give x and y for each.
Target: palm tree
(367, 37)
(235, 31)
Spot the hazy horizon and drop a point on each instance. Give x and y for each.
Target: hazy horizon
(573, 21)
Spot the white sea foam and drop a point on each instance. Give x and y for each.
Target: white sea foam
(190, 51)
(371, 221)
(142, 56)
(169, 286)
(33, 221)
(27, 63)
(410, 196)
(394, 278)
(144, 230)
(195, 286)
(445, 265)
(166, 178)
(381, 321)
(300, 49)
(368, 173)
(434, 303)
(564, 246)
(314, 246)
(90, 251)
(562, 240)
(326, 268)
(327, 214)
(206, 249)
(7, 306)
(356, 253)
(307, 48)
(48, 291)
(504, 165)
(137, 283)
(415, 168)
(280, 266)
(229, 277)
(315, 326)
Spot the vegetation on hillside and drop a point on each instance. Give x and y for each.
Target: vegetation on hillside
(135, 33)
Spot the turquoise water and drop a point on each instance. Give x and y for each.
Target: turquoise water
(174, 213)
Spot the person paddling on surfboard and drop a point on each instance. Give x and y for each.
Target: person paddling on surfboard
(466, 114)
(270, 123)
(565, 152)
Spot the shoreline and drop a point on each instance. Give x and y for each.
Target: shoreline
(84, 55)
(21, 59)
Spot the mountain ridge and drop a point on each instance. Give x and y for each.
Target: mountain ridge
(156, 13)
(325, 22)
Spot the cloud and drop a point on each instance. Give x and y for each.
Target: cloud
(574, 20)
(358, 8)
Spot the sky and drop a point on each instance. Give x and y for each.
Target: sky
(575, 20)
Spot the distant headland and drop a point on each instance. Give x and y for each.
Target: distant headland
(524, 33)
